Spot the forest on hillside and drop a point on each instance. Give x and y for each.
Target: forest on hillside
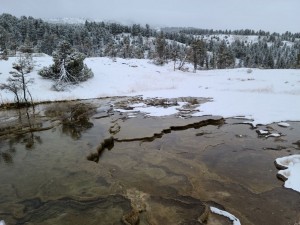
(205, 49)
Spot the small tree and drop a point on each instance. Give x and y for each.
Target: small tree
(68, 67)
(4, 54)
(298, 60)
(198, 53)
(18, 83)
(27, 47)
(13, 87)
(225, 57)
(160, 48)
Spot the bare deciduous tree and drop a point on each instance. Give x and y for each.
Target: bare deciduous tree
(18, 83)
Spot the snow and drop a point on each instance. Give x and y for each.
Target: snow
(263, 132)
(273, 135)
(235, 220)
(153, 110)
(2, 222)
(283, 124)
(138, 105)
(160, 111)
(268, 134)
(230, 38)
(263, 96)
(292, 171)
(67, 20)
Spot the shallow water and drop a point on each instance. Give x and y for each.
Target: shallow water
(162, 175)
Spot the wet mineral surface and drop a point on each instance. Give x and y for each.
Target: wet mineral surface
(84, 163)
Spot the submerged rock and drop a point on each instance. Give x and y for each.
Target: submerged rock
(131, 218)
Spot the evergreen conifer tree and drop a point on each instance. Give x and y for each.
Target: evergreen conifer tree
(68, 67)
(198, 53)
(225, 57)
(160, 47)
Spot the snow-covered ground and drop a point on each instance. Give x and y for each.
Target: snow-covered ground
(264, 96)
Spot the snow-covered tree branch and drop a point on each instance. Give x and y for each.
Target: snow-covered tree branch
(68, 67)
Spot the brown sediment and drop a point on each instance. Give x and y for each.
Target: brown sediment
(36, 211)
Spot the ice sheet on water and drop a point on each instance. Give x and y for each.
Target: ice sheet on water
(292, 171)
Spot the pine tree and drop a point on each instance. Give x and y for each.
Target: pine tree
(135, 30)
(269, 61)
(27, 47)
(225, 58)
(4, 55)
(212, 61)
(126, 48)
(68, 67)
(148, 31)
(160, 47)
(298, 61)
(198, 53)
(103, 39)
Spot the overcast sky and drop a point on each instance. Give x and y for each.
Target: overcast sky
(269, 15)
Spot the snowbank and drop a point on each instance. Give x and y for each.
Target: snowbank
(264, 96)
(235, 220)
(290, 172)
(154, 110)
(283, 124)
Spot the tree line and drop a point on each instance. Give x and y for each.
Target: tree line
(205, 49)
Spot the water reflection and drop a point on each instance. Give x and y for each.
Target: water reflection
(22, 130)
(7, 155)
(31, 138)
(23, 126)
(73, 117)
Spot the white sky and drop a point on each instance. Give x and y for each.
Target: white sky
(268, 15)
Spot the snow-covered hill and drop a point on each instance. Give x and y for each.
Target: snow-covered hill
(264, 96)
(67, 20)
(230, 38)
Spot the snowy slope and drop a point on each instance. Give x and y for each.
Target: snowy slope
(264, 96)
(230, 38)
